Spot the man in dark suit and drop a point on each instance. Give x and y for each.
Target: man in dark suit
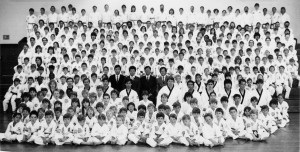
(162, 80)
(117, 80)
(148, 82)
(135, 80)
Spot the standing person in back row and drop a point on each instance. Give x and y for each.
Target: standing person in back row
(117, 80)
(148, 83)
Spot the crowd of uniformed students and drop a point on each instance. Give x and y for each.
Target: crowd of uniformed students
(156, 77)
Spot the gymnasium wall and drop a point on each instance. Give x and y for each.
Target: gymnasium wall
(13, 12)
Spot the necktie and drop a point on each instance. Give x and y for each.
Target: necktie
(117, 78)
(163, 78)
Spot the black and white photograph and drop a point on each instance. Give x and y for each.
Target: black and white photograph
(150, 75)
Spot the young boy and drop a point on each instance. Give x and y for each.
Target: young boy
(31, 128)
(157, 132)
(58, 116)
(177, 111)
(283, 107)
(12, 94)
(275, 113)
(174, 132)
(162, 108)
(100, 132)
(212, 106)
(192, 133)
(150, 114)
(256, 128)
(119, 132)
(47, 130)
(253, 104)
(236, 124)
(164, 100)
(225, 107)
(267, 119)
(221, 122)
(140, 130)
(237, 104)
(212, 132)
(14, 129)
(81, 131)
(63, 134)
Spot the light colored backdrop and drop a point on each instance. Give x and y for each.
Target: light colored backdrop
(13, 12)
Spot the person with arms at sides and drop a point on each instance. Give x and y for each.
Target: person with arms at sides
(162, 79)
(148, 82)
(117, 80)
(135, 80)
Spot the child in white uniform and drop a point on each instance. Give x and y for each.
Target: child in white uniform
(119, 132)
(100, 132)
(158, 131)
(256, 128)
(81, 131)
(140, 129)
(31, 128)
(174, 132)
(47, 130)
(14, 129)
(64, 132)
(212, 131)
(267, 119)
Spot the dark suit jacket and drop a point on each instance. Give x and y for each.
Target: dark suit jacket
(135, 83)
(161, 83)
(150, 86)
(117, 85)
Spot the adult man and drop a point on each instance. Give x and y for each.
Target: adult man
(162, 80)
(148, 82)
(117, 80)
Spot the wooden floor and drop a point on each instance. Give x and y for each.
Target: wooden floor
(284, 140)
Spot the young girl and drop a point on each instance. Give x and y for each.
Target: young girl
(111, 121)
(246, 116)
(185, 106)
(41, 115)
(46, 104)
(119, 132)
(75, 104)
(90, 118)
(131, 112)
(85, 105)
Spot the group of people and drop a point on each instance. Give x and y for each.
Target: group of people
(153, 77)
